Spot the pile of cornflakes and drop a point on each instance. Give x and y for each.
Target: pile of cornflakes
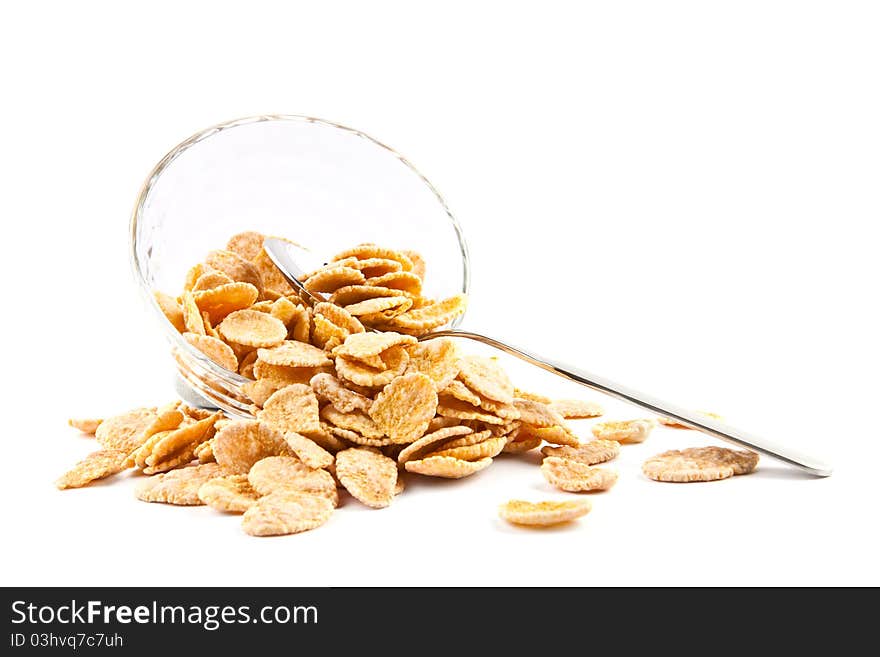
(345, 396)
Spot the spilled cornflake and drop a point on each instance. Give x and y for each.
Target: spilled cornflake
(342, 394)
(543, 514)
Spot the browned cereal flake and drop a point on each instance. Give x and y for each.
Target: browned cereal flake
(368, 251)
(192, 315)
(451, 407)
(399, 280)
(356, 421)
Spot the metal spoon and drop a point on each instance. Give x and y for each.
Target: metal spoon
(280, 253)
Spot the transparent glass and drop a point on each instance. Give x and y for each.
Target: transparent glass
(320, 184)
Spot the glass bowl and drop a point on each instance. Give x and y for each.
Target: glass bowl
(322, 185)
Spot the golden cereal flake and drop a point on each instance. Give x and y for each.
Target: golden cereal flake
(294, 354)
(590, 453)
(308, 451)
(246, 366)
(545, 513)
(177, 446)
(235, 267)
(292, 408)
(351, 295)
(96, 465)
(405, 407)
(431, 441)
(125, 431)
(487, 448)
(368, 251)
(486, 377)
(339, 317)
(419, 321)
(356, 421)
(276, 473)
(253, 328)
(356, 372)
(627, 431)
(520, 445)
(537, 414)
(418, 263)
(231, 494)
(388, 306)
(283, 309)
(329, 388)
(283, 374)
(369, 476)
(260, 390)
(330, 279)
(286, 512)
(451, 407)
(247, 244)
(241, 444)
(557, 435)
(576, 408)
(273, 279)
(460, 391)
(534, 396)
(372, 267)
(193, 274)
(171, 309)
(363, 345)
(676, 424)
(211, 279)
(86, 425)
(220, 301)
(447, 467)
(399, 280)
(209, 329)
(192, 315)
(437, 359)
(180, 486)
(204, 452)
(217, 350)
(576, 477)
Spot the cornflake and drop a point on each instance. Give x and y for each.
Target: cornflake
(543, 514)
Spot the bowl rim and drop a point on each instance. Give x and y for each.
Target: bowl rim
(178, 342)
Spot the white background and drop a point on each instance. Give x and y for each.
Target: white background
(679, 195)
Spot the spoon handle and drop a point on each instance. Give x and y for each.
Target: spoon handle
(687, 417)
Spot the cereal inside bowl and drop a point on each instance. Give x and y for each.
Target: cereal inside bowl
(247, 333)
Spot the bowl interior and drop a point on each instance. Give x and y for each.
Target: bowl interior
(322, 185)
